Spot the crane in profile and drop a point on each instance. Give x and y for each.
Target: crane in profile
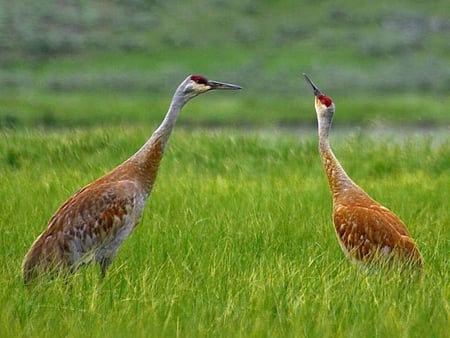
(92, 224)
(366, 230)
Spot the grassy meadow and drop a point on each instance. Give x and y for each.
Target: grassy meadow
(236, 239)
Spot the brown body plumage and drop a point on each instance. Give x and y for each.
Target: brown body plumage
(366, 230)
(92, 224)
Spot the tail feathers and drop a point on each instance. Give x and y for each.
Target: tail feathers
(43, 257)
(412, 253)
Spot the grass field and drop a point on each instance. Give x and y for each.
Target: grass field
(236, 110)
(236, 239)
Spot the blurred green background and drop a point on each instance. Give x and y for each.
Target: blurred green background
(81, 63)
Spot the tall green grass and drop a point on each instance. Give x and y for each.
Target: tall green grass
(236, 239)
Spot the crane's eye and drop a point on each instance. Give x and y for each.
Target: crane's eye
(199, 79)
(325, 100)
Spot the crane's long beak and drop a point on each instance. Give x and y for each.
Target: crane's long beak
(316, 90)
(221, 85)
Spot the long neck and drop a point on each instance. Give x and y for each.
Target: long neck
(145, 162)
(162, 133)
(337, 177)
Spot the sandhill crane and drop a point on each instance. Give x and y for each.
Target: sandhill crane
(366, 230)
(92, 224)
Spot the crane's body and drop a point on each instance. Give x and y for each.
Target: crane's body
(92, 224)
(365, 229)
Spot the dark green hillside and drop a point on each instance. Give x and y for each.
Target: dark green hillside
(61, 61)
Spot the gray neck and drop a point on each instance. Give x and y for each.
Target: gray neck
(161, 135)
(142, 167)
(337, 177)
(145, 162)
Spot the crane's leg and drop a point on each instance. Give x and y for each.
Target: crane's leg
(104, 263)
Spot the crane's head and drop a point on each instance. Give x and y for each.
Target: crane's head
(198, 84)
(324, 105)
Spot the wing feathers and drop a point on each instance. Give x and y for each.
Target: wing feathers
(87, 222)
(365, 231)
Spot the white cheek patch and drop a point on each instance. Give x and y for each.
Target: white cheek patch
(189, 88)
